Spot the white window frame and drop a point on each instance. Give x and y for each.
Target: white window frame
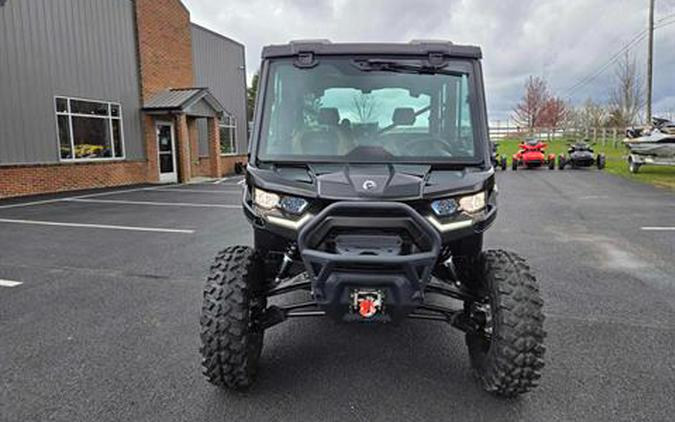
(229, 122)
(69, 115)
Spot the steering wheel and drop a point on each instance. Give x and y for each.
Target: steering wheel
(425, 145)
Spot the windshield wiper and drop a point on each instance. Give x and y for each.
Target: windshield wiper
(378, 65)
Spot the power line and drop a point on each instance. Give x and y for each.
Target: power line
(632, 43)
(662, 18)
(589, 78)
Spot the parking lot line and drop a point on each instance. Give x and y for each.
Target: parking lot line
(90, 195)
(9, 283)
(162, 204)
(659, 229)
(238, 192)
(96, 226)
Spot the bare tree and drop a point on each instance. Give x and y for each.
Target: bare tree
(555, 113)
(528, 112)
(627, 96)
(364, 107)
(591, 114)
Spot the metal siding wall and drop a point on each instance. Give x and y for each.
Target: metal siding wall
(218, 64)
(77, 48)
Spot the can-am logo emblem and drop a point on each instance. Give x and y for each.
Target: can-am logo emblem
(369, 185)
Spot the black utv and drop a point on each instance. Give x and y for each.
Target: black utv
(369, 187)
(498, 161)
(580, 154)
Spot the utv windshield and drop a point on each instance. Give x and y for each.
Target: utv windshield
(368, 110)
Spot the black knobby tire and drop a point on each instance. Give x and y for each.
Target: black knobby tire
(601, 161)
(561, 162)
(551, 164)
(503, 163)
(514, 164)
(508, 361)
(231, 339)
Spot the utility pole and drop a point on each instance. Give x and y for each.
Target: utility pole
(650, 59)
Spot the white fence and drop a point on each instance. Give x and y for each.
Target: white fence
(599, 135)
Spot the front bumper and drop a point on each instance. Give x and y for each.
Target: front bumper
(337, 274)
(533, 163)
(583, 162)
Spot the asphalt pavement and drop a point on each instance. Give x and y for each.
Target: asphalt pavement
(104, 325)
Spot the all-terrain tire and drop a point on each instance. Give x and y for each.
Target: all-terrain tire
(514, 164)
(509, 361)
(502, 163)
(231, 338)
(561, 162)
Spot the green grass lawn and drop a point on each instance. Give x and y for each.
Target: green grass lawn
(616, 162)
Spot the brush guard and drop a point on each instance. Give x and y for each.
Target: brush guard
(351, 248)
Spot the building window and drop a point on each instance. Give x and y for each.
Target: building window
(89, 130)
(228, 130)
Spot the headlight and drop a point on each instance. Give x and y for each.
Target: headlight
(269, 201)
(264, 199)
(472, 203)
(293, 204)
(444, 207)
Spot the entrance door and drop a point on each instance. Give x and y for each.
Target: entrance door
(167, 152)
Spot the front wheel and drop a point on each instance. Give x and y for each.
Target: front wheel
(601, 161)
(561, 162)
(514, 164)
(633, 167)
(502, 163)
(506, 349)
(230, 332)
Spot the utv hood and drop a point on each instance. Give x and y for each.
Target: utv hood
(370, 181)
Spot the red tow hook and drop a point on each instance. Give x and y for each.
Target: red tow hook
(367, 308)
(367, 303)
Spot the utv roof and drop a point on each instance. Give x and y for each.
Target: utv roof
(413, 48)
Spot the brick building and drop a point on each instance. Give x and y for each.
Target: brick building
(98, 93)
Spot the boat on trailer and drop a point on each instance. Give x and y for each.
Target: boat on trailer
(653, 145)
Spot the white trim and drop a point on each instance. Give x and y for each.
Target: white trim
(232, 125)
(293, 225)
(166, 177)
(658, 229)
(445, 227)
(81, 160)
(93, 116)
(96, 226)
(69, 115)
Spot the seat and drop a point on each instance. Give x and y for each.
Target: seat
(324, 139)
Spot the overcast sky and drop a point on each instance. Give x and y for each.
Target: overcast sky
(561, 40)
